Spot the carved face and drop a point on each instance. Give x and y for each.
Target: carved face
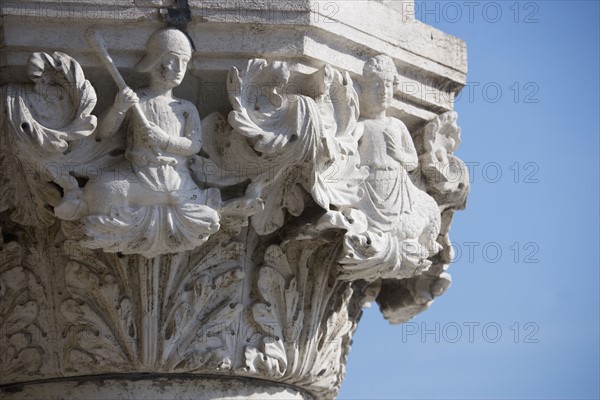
(171, 68)
(378, 92)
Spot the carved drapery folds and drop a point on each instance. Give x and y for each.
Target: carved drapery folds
(151, 241)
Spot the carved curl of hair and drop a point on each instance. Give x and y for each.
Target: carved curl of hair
(381, 65)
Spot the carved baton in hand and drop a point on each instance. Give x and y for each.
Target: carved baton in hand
(95, 40)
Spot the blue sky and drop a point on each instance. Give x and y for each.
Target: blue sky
(521, 319)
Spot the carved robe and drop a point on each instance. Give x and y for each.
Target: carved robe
(153, 206)
(403, 220)
(390, 154)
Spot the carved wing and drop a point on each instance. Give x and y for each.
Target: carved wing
(285, 145)
(262, 112)
(272, 142)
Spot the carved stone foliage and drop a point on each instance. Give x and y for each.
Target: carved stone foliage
(303, 318)
(38, 122)
(19, 312)
(240, 245)
(136, 314)
(213, 310)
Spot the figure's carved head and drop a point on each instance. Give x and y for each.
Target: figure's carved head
(382, 66)
(168, 52)
(379, 79)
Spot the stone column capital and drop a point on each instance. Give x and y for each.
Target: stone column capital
(210, 222)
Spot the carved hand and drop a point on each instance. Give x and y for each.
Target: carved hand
(125, 99)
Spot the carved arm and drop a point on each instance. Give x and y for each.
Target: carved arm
(191, 143)
(113, 119)
(400, 145)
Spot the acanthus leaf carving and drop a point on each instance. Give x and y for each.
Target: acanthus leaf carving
(278, 315)
(183, 324)
(333, 339)
(25, 192)
(39, 121)
(302, 318)
(19, 311)
(446, 175)
(201, 312)
(100, 310)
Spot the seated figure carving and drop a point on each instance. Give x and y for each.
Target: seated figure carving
(403, 222)
(146, 202)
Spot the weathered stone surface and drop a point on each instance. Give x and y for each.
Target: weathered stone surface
(222, 229)
(156, 388)
(431, 64)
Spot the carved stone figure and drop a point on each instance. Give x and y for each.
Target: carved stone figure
(146, 201)
(403, 222)
(446, 178)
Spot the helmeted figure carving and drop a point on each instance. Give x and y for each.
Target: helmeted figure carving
(146, 201)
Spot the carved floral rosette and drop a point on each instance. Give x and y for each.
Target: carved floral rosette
(276, 292)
